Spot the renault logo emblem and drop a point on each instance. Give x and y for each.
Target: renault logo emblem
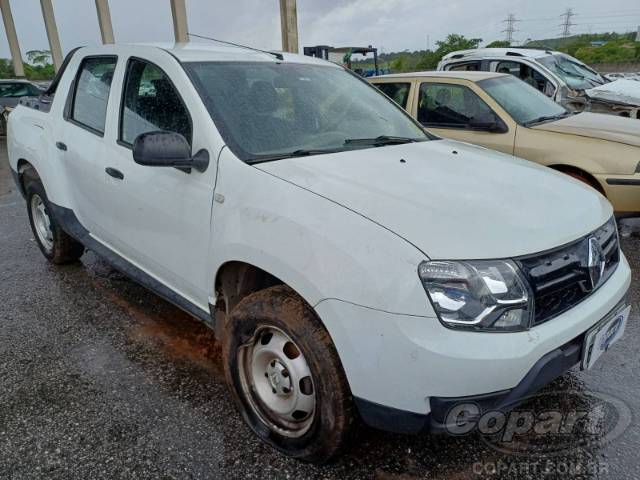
(595, 265)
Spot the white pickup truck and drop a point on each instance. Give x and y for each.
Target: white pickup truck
(351, 263)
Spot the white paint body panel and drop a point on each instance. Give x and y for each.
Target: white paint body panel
(438, 200)
(347, 231)
(401, 361)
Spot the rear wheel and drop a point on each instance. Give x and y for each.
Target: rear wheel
(54, 243)
(285, 375)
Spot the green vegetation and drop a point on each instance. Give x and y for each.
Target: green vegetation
(619, 47)
(422, 59)
(499, 44)
(39, 66)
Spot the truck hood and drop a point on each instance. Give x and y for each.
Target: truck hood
(452, 200)
(612, 128)
(619, 91)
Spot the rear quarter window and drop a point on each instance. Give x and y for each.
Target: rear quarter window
(91, 92)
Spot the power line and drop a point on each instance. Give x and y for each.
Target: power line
(566, 25)
(511, 27)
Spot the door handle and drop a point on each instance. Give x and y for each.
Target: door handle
(114, 173)
(61, 146)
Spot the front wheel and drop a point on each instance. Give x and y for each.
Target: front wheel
(285, 375)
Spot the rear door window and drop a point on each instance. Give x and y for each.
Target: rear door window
(526, 74)
(150, 103)
(91, 93)
(449, 105)
(398, 92)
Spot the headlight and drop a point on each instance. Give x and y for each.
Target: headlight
(478, 295)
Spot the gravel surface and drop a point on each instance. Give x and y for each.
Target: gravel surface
(102, 379)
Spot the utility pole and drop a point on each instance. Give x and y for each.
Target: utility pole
(289, 25)
(511, 27)
(12, 38)
(52, 33)
(567, 24)
(104, 21)
(179, 15)
(638, 34)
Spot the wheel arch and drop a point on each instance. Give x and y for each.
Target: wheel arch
(25, 171)
(236, 280)
(580, 174)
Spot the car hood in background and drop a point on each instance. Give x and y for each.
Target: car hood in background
(597, 125)
(453, 200)
(619, 91)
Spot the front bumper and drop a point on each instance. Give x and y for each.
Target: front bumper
(405, 372)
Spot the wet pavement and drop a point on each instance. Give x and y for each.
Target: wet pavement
(101, 379)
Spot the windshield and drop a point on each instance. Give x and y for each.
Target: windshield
(523, 102)
(575, 74)
(270, 110)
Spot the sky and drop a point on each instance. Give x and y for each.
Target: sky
(391, 25)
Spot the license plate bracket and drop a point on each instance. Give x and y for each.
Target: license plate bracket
(603, 335)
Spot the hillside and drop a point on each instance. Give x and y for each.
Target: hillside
(619, 47)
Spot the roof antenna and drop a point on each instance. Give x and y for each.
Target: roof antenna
(275, 54)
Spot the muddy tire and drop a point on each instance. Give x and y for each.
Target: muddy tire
(285, 375)
(58, 247)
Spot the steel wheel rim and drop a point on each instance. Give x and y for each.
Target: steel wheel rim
(277, 382)
(41, 222)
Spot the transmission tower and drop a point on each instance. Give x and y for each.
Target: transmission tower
(511, 27)
(567, 24)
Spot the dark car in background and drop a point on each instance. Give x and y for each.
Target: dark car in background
(10, 93)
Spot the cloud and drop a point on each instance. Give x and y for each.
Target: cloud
(391, 24)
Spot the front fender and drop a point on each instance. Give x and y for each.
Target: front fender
(319, 248)
(592, 155)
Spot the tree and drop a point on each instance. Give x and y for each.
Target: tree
(6, 68)
(455, 42)
(398, 65)
(499, 44)
(39, 57)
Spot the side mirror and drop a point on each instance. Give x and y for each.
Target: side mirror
(488, 122)
(167, 149)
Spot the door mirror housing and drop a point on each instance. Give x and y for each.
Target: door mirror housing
(168, 149)
(488, 122)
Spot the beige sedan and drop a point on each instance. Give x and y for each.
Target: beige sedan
(503, 113)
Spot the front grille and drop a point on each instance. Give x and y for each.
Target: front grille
(561, 278)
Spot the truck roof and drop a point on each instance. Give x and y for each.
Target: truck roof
(213, 52)
(500, 52)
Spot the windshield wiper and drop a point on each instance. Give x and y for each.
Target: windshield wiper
(547, 118)
(296, 153)
(381, 140)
